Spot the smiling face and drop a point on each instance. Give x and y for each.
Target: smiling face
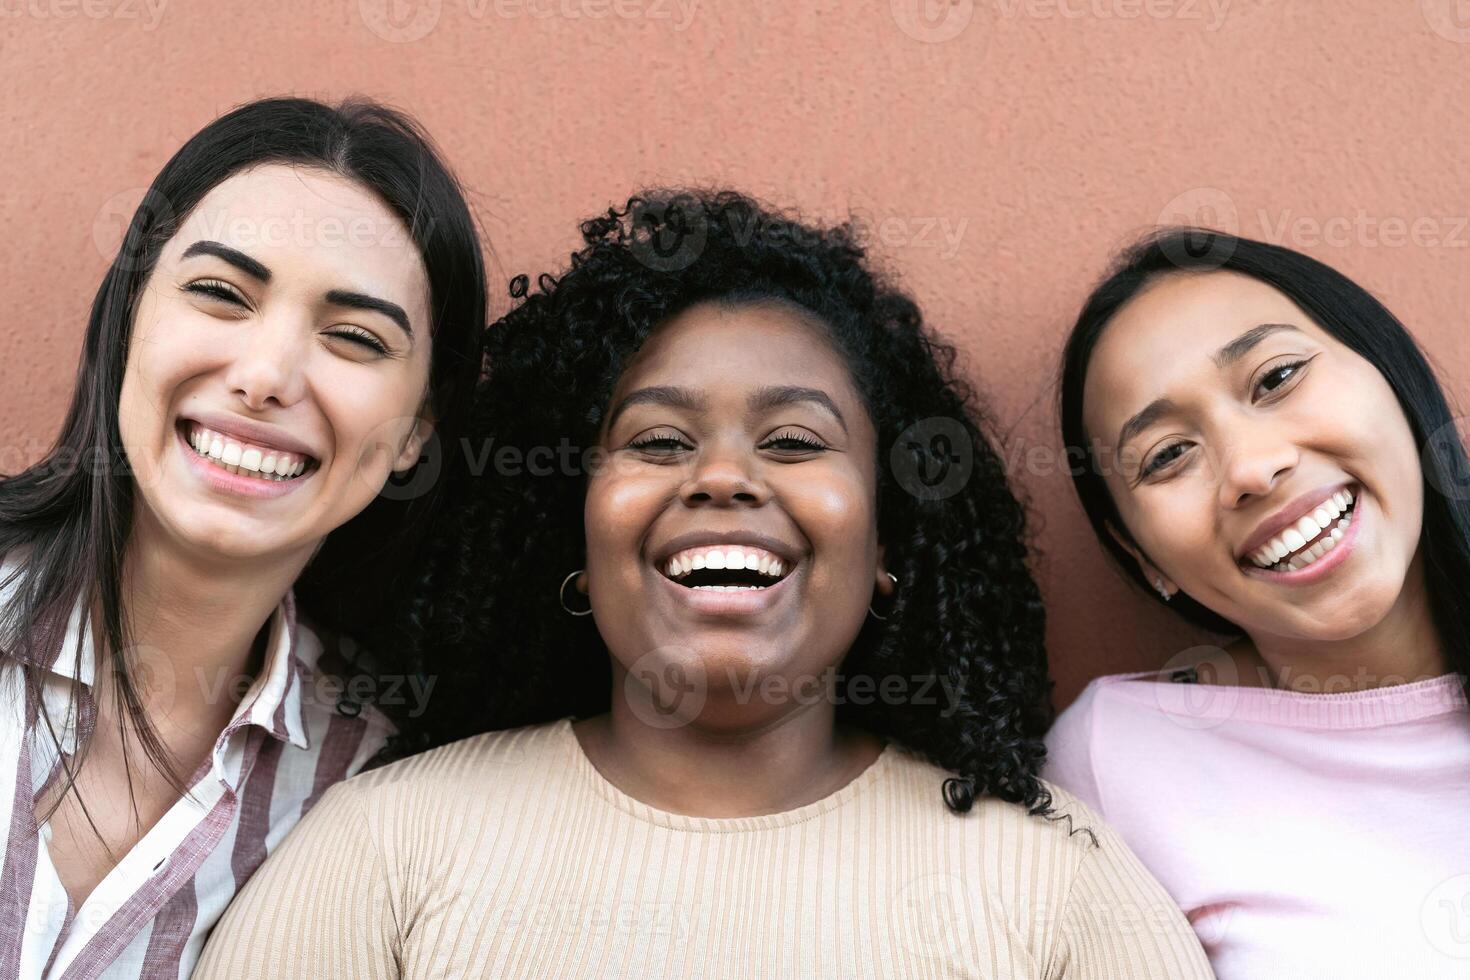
(278, 365)
(1258, 464)
(735, 438)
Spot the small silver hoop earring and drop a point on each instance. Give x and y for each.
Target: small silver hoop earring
(870, 605)
(561, 595)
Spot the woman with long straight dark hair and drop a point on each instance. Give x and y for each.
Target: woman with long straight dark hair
(290, 328)
(1261, 445)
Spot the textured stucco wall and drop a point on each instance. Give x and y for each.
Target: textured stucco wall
(1000, 149)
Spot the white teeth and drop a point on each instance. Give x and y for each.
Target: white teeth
(745, 559)
(1331, 517)
(238, 458)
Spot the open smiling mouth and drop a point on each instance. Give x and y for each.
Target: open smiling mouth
(725, 568)
(244, 459)
(1312, 537)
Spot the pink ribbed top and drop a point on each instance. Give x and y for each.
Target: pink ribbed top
(1304, 835)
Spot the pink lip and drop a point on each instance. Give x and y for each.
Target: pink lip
(1322, 566)
(746, 602)
(223, 480)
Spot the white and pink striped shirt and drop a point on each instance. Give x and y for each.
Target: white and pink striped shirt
(150, 916)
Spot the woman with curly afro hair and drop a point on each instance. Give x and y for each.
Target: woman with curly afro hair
(739, 667)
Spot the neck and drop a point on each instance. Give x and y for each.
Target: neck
(724, 765)
(1401, 648)
(196, 618)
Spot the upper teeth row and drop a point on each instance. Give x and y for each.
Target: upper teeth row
(236, 455)
(755, 559)
(1297, 536)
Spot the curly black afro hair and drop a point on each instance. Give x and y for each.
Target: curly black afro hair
(487, 618)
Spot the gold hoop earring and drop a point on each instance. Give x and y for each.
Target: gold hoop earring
(870, 605)
(561, 595)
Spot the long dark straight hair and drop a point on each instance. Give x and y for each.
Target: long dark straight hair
(1354, 318)
(70, 515)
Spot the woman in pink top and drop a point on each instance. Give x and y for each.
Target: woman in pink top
(1262, 445)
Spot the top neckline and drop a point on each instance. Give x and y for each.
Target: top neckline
(1216, 703)
(584, 769)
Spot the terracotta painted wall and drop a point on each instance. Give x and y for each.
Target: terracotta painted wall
(998, 151)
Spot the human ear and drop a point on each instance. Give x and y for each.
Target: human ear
(1161, 583)
(413, 446)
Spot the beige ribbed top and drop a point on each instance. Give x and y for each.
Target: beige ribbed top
(509, 855)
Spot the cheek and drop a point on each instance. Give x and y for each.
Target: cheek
(163, 357)
(837, 513)
(1175, 531)
(1383, 447)
(370, 417)
(619, 508)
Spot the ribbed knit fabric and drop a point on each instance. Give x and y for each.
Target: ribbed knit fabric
(509, 855)
(1305, 835)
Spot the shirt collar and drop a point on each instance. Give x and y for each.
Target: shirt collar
(273, 701)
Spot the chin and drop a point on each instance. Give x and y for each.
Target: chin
(211, 537)
(1346, 616)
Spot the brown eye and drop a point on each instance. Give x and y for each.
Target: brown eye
(1278, 378)
(1163, 458)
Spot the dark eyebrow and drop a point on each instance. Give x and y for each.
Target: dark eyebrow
(1152, 413)
(361, 301)
(670, 396)
(775, 396)
(235, 257)
(1241, 345)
